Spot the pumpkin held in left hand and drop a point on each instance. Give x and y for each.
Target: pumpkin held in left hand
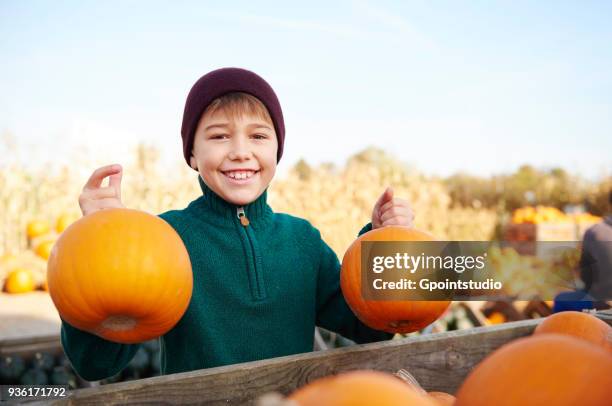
(121, 274)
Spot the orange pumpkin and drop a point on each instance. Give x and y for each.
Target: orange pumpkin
(581, 325)
(359, 388)
(36, 228)
(121, 274)
(442, 398)
(393, 316)
(547, 369)
(43, 249)
(496, 318)
(20, 280)
(64, 220)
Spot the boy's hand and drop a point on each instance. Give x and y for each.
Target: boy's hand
(391, 211)
(95, 197)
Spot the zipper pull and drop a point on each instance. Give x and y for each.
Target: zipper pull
(242, 216)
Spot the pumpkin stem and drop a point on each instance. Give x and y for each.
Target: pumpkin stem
(119, 323)
(408, 378)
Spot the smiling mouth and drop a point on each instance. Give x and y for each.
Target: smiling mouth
(240, 175)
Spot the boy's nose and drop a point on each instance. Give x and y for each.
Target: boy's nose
(240, 151)
(239, 155)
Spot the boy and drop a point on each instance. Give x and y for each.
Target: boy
(262, 280)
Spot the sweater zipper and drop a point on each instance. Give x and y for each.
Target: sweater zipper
(242, 216)
(255, 276)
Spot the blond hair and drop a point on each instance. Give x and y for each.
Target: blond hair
(236, 104)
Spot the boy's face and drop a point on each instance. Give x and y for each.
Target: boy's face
(235, 157)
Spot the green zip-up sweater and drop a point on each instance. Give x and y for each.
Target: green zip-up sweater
(258, 292)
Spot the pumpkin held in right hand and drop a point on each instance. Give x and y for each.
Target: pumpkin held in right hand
(392, 316)
(122, 274)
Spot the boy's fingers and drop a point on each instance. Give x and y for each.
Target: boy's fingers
(96, 178)
(396, 211)
(395, 202)
(384, 198)
(115, 183)
(101, 193)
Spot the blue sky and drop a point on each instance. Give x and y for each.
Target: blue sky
(451, 86)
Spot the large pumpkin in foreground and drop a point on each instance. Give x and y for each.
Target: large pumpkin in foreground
(121, 274)
(545, 369)
(393, 316)
(360, 388)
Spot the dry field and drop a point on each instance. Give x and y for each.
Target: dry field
(336, 200)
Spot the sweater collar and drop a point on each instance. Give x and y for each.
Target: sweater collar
(257, 210)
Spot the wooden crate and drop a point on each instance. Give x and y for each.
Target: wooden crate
(541, 232)
(522, 237)
(556, 232)
(570, 231)
(438, 361)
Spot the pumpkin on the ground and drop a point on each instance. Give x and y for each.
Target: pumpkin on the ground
(393, 316)
(44, 249)
(20, 280)
(546, 369)
(496, 318)
(36, 228)
(359, 388)
(64, 220)
(121, 274)
(577, 324)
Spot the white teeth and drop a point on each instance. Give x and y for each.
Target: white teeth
(240, 175)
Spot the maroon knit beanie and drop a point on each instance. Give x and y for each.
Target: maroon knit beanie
(222, 81)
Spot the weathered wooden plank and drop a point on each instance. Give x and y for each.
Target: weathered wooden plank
(438, 361)
(23, 346)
